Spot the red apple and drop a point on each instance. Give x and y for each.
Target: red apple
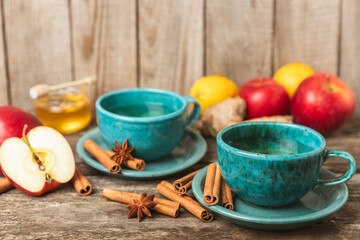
(264, 97)
(39, 162)
(12, 121)
(323, 102)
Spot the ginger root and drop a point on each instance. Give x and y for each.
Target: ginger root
(229, 112)
(221, 115)
(276, 118)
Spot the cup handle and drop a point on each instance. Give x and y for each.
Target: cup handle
(349, 174)
(194, 115)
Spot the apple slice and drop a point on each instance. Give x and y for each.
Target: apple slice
(10, 120)
(39, 162)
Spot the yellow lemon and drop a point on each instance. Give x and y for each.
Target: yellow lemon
(291, 75)
(210, 90)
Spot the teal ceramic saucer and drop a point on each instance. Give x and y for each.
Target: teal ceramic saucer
(189, 151)
(317, 204)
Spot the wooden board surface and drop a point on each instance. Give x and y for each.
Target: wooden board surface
(308, 31)
(350, 48)
(38, 45)
(3, 78)
(64, 214)
(171, 46)
(239, 38)
(104, 43)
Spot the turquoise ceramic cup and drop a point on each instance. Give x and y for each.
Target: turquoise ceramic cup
(275, 164)
(152, 136)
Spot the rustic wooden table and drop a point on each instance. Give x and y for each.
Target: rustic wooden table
(65, 214)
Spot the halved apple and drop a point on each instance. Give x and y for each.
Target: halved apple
(39, 162)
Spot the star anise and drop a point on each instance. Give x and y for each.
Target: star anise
(122, 152)
(142, 206)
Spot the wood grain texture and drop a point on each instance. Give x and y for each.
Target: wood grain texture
(308, 31)
(3, 77)
(104, 43)
(239, 38)
(171, 43)
(350, 48)
(66, 215)
(38, 45)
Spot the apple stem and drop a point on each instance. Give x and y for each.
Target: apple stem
(329, 82)
(24, 134)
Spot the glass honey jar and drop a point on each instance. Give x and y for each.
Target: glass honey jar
(67, 110)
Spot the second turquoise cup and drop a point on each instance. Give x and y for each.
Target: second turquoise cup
(153, 120)
(275, 164)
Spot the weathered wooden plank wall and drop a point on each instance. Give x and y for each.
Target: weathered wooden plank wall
(308, 31)
(104, 43)
(37, 45)
(170, 44)
(171, 38)
(239, 38)
(350, 47)
(3, 79)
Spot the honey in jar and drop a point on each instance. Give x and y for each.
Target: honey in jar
(67, 110)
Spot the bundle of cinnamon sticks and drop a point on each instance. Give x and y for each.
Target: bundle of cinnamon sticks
(166, 189)
(80, 183)
(214, 185)
(215, 188)
(183, 185)
(105, 158)
(163, 206)
(167, 207)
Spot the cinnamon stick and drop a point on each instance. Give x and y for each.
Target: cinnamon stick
(166, 189)
(182, 185)
(5, 185)
(226, 196)
(163, 206)
(212, 185)
(101, 156)
(81, 184)
(135, 163)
